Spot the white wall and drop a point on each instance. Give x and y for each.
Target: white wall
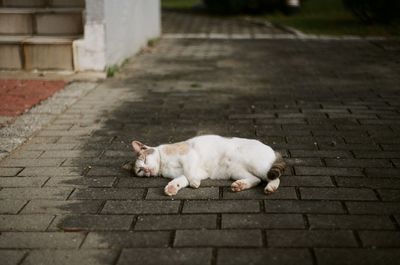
(115, 30)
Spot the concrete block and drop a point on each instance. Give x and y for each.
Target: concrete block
(67, 3)
(10, 56)
(24, 3)
(59, 23)
(48, 54)
(15, 23)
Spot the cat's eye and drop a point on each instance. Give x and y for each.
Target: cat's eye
(140, 170)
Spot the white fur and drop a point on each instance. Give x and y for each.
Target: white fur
(210, 156)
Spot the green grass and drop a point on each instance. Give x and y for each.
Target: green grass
(153, 42)
(179, 4)
(112, 70)
(329, 17)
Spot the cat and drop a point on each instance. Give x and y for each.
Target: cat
(187, 163)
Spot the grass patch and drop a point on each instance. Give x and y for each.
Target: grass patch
(112, 70)
(331, 18)
(179, 4)
(153, 42)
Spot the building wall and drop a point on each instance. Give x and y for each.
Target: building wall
(115, 30)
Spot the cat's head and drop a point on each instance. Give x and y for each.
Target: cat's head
(147, 163)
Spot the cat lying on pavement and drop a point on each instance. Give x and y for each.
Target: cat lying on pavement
(187, 163)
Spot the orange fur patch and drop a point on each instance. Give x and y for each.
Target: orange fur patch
(181, 148)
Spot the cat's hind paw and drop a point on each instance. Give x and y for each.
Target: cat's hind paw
(194, 183)
(239, 185)
(171, 190)
(272, 186)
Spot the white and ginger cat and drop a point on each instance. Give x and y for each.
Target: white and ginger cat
(187, 163)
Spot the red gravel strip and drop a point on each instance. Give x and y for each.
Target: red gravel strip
(17, 96)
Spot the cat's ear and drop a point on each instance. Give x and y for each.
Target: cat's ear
(149, 151)
(138, 147)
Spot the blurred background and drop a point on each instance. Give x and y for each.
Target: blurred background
(322, 17)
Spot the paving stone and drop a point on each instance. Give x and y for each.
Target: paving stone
(10, 182)
(82, 139)
(372, 183)
(337, 194)
(90, 162)
(332, 256)
(396, 162)
(114, 154)
(142, 182)
(173, 222)
(24, 240)
(35, 193)
(11, 257)
(11, 206)
(27, 162)
(106, 194)
(260, 256)
(258, 193)
(373, 207)
(50, 171)
(167, 256)
(306, 181)
(44, 140)
(377, 155)
(350, 147)
(101, 257)
(25, 222)
(383, 172)
(132, 239)
(218, 238)
(69, 133)
(106, 171)
(350, 222)
(80, 182)
(380, 238)
(187, 193)
(9, 172)
(264, 221)
(389, 194)
(365, 163)
(25, 154)
(92, 222)
(296, 206)
(141, 207)
(70, 154)
(319, 153)
(50, 146)
(62, 207)
(221, 207)
(331, 171)
(306, 238)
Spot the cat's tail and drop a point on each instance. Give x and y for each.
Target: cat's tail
(278, 167)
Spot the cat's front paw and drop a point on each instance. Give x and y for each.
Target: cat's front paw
(171, 189)
(239, 185)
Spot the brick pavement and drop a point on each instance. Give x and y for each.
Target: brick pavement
(331, 107)
(175, 22)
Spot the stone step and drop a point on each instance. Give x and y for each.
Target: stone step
(41, 21)
(36, 53)
(10, 52)
(42, 3)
